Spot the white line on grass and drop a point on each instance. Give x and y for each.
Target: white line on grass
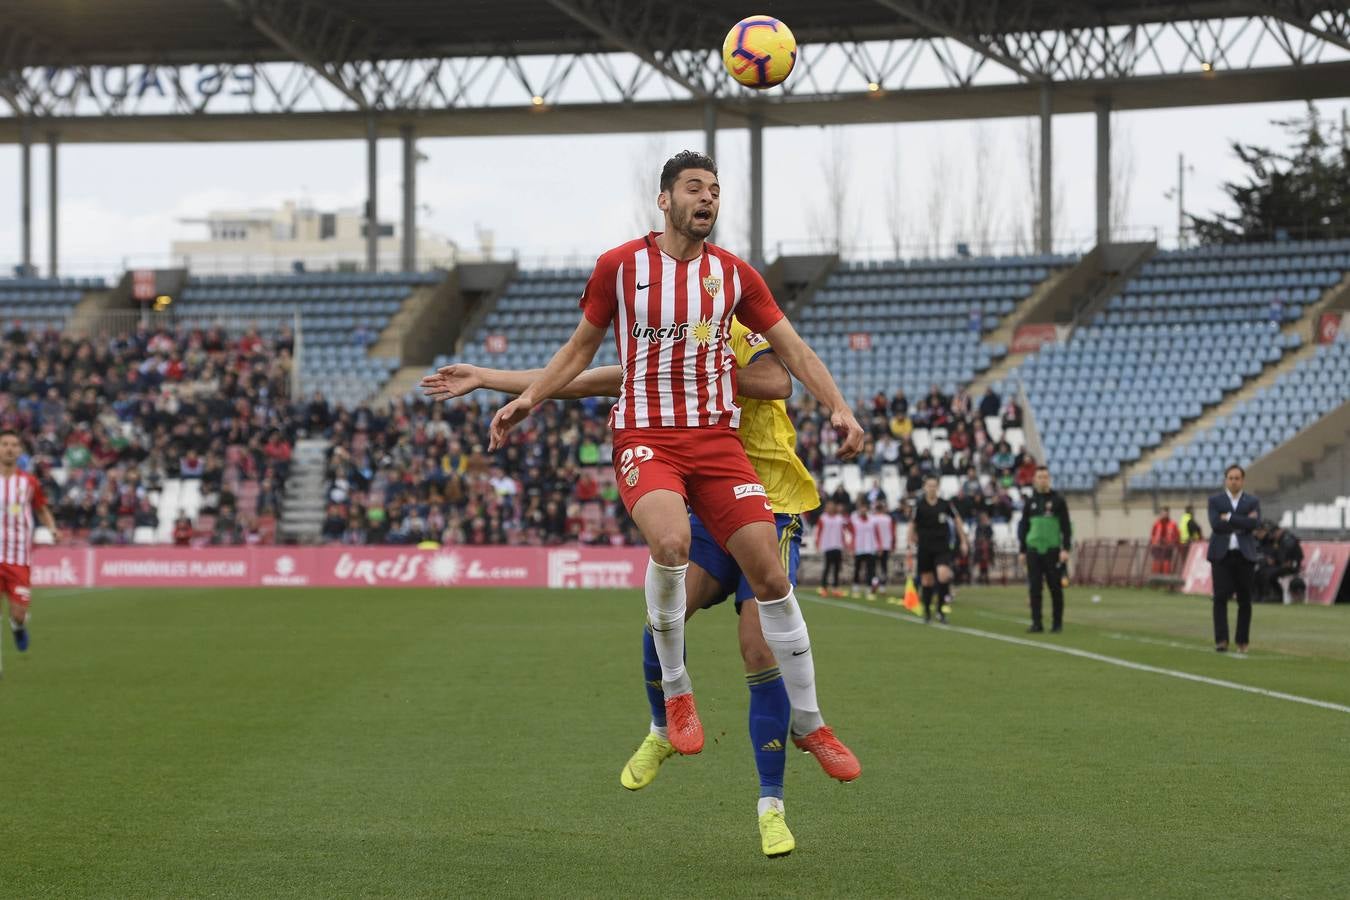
(1086, 654)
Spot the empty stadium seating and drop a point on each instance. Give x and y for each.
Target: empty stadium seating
(1192, 327)
(536, 314)
(41, 303)
(341, 314)
(924, 319)
(1260, 424)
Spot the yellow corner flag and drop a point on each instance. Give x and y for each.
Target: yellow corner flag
(911, 601)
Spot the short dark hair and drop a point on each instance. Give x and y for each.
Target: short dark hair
(685, 159)
(1042, 468)
(1232, 467)
(10, 432)
(930, 477)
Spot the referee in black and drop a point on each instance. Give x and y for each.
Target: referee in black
(1044, 536)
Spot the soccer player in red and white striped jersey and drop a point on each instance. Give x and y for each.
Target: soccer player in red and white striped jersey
(21, 500)
(669, 297)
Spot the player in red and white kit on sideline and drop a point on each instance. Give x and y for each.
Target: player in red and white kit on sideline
(885, 528)
(864, 534)
(831, 538)
(669, 298)
(21, 500)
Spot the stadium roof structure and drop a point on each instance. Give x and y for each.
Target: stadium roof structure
(203, 70)
(87, 71)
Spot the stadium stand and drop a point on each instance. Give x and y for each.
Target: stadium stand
(1192, 327)
(925, 319)
(1278, 412)
(341, 314)
(537, 314)
(128, 434)
(42, 303)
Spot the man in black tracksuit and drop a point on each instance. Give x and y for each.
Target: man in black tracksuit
(1043, 538)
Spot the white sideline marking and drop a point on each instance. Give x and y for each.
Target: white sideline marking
(1087, 654)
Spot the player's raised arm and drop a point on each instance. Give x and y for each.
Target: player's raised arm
(460, 379)
(569, 362)
(803, 362)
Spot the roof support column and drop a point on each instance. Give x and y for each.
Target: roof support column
(26, 195)
(756, 188)
(1103, 171)
(53, 208)
(1045, 221)
(372, 206)
(409, 260)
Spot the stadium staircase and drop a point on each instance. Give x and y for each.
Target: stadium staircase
(1188, 330)
(305, 503)
(1062, 299)
(883, 326)
(1303, 329)
(43, 303)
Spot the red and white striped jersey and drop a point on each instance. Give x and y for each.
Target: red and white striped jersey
(864, 532)
(672, 319)
(885, 527)
(20, 498)
(830, 532)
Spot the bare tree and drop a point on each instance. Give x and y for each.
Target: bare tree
(1122, 175)
(938, 202)
(646, 217)
(895, 210)
(984, 200)
(1027, 218)
(834, 225)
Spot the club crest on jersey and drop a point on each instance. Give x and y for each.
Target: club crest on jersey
(632, 476)
(704, 332)
(713, 285)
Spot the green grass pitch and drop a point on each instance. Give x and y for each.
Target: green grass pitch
(282, 743)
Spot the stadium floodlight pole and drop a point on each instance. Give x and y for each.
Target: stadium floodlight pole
(710, 129)
(372, 204)
(409, 260)
(756, 122)
(1103, 171)
(1045, 220)
(53, 210)
(26, 193)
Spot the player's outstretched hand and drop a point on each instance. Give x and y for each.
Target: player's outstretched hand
(454, 380)
(508, 417)
(849, 431)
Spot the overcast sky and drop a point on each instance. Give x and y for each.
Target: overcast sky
(576, 196)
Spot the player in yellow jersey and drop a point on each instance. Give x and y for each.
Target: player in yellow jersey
(770, 442)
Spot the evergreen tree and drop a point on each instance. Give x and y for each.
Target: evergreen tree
(1304, 192)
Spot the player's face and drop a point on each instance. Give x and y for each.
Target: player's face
(1042, 481)
(9, 450)
(691, 205)
(930, 489)
(1233, 481)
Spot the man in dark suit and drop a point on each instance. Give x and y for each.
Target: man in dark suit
(1233, 555)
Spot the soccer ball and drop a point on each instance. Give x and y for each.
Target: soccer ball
(759, 52)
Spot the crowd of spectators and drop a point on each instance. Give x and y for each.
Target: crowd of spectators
(418, 472)
(111, 419)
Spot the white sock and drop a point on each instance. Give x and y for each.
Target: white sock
(665, 615)
(785, 632)
(661, 731)
(768, 803)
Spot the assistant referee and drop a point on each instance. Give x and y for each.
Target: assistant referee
(1043, 538)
